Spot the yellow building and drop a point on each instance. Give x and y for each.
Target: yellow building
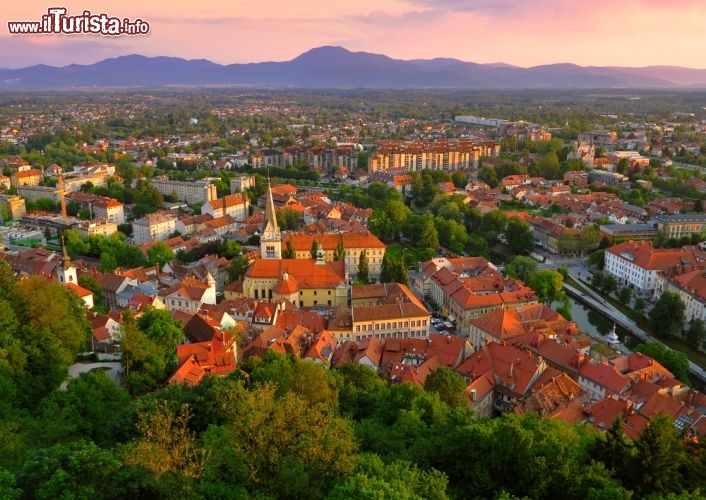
(386, 310)
(306, 283)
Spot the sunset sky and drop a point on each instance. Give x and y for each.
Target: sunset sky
(520, 32)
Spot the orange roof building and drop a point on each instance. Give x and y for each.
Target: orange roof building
(638, 263)
(354, 243)
(308, 282)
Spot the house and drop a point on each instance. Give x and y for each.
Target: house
(26, 177)
(235, 205)
(106, 330)
(86, 296)
(602, 379)
(509, 324)
(197, 360)
(153, 227)
(189, 294)
(510, 370)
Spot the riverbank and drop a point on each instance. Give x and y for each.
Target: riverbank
(593, 300)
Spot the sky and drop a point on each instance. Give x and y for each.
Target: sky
(519, 32)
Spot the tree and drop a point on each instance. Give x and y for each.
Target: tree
(667, 315)
(314, 249)
(489, 175)
(519, 236)
(79, 467)
(80, 410)
(659, 459)
(589, 238)
(696, 333)
(160, 253)
(289, 252)
(229, 249)
(340, 253)
(625, 294)
(363, 267)
(166, 447)
(393, 270)
(449, 386)
(372, 478)
(548, 285)
(237, 267)
(288, 219)
(429, 237)
(521, 267)
(597, 259)
(149, 349)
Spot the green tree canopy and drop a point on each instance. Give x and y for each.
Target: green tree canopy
(548, 285)
(667, 315)
(449, 386)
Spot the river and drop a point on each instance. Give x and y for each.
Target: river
(593, 322)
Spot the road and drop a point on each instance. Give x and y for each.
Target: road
(111, 368)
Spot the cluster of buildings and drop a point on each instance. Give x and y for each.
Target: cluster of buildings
(430, 155)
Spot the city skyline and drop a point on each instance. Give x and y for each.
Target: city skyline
(632, 33)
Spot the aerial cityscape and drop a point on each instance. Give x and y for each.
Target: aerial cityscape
(330, 263)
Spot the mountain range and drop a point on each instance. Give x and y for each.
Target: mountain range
(337, 67)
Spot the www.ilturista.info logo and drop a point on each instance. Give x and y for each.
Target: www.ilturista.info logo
(55, 21)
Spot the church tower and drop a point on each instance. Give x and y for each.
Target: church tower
(271, 237)
(66, 270)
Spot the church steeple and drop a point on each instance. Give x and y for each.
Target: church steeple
(66, 271)
(271, 238)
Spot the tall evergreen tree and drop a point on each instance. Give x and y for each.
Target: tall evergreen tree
(289, 252)
(363, 267)
(314, 248)
(340, 252)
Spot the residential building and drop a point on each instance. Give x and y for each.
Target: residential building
(500, 376)
(242, 182)
(691, 288)
(190, 294)
(99, 207)
(26, 177)
(192, 192)
(97, 228)
(153, 227)
(386, 310)
(434, 155)
(235, 205)
(512, 324)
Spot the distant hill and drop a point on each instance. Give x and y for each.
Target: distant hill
(337, 67)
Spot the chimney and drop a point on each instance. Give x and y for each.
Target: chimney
(474, 395)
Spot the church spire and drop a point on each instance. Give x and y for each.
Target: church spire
(271, 238)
